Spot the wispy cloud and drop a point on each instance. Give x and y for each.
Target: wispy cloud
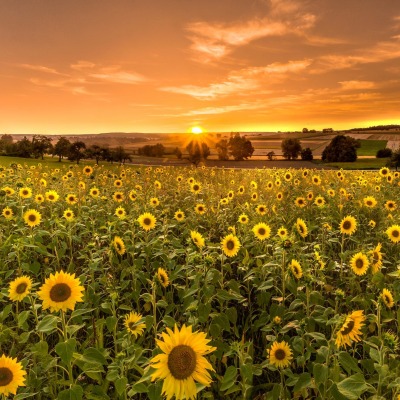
(357, 85)
(223, 109)
(129, 78)
(41, 68)
(82, 65)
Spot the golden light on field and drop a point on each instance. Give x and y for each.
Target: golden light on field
(197, 130)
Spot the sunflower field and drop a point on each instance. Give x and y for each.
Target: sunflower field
(122, 282)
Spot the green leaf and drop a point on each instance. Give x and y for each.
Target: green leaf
(353, 387)
(65, 350)
(275, 392)
(94, 356)
(120, 385)
(48, 323)
(82, 311)
(140, 388)
(320, 373)
(303, 382)
(111, 322)
(229, 378)
(73, 393)
(23, 396)
(348, 362)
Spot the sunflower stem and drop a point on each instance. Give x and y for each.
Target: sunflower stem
(283, 277)
(64, 325)
(154, 299)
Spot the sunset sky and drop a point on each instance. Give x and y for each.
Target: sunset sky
(89, 66)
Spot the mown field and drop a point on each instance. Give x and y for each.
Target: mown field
(151, 282)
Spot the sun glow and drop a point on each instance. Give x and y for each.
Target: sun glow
(197, 130)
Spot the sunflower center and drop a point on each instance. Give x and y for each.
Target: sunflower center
(280, 354)
(348, 328)
(395, 233)
(60, 292)
(301, 228)
(21, 288)
(6, 376)
(346, 225)
(32, 217)
(387, 299)
(147, 221)
(359, 263)
(375, 256)
(230, 245)
(182, 361)
(261, 231)
(295, 270)
(132, 326)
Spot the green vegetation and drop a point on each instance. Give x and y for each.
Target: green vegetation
(364, 163)
(370, 147)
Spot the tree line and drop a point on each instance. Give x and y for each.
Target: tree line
(40, 145)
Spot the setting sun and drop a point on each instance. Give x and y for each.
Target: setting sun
(197, 130)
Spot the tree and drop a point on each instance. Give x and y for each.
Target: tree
(222, 148)
(291, 148)
(395, 159)
(340, 149)
(23, 148)
(198, 151)
(178, 152)
(156, 150)
(271, 155)
(306, 154)
(384, 153)
(97, 152)
(40, 145)
(61, 148)
(240, 147)
(119, 154)
(76, 151)
(6, 142)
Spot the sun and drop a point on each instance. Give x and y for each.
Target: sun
(197, 130)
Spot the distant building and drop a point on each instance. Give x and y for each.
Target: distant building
(327, 130)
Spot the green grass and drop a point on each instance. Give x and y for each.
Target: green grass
(370, 147)
(363, 163)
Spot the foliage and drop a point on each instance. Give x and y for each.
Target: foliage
(240, 148)
(61, 148)
(384, 153)
(244, 303)
(306, 154)
(156, 150)
(395, 159)
(291, 148)
(198, 151)
(76, 151)
(341, 149)
(222, 148)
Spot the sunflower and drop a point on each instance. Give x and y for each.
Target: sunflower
(87, 170)
(393, 233)
(301, 228)
(384, 171)
(157, 184)
(319, 201)
(7, 212)
(350, 329)
(372, 223)
(279, 196)
(154, 202)
(68, 214)
(19, 288)
(71, 198)
(179, 216)
(390, 205)
(376, 258)
(11, 375)
(132, 195)
(197, 238)
(310, 196)
(243, 219)
(118, 197)
(147, 221)
(61, 291)
(300, 202)
(119, 245)
(261, 209)
(182, 363)
(162, 276)
(270, 185)
(32, 217)
(39, 199)
(195, 187)
(296, 269)
(348, 225)
(387, 298)
(262, 231)
(282, 232)
(316, 180)
(133, 324)
(254, 196)
(51, 196)
(94, 192)
(200, 208)
(230, 245)
(25, 192)
(288, 176)
(241, 190)
(118, 183)
(280, 354)
(370, 202)
(359, 264)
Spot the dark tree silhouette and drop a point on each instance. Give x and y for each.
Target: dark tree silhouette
(341, 149)
(198, 151)
(40, 145)
(240, 147)
(61, 148)
(291, 148)
(222, 148)
(76, 151)
(306, 154)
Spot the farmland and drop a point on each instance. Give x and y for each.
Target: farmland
(122, 282)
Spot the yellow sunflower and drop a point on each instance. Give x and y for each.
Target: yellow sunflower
(68, 214)
(282, 232)
(119, 245)
(243, 219)
(61, 291)
(316, 180)
(94, 192)
(118, 183)
(118, 197)
(19, 288)
(87, 170)
(162, 276)
(120, 212)
(261, 209)
(132, 195)
(359, 264)
(197, 238)
(384, 171)
(133, 323)
(390, 205)
(25, 192)
(179, 216)
(301, 228)
(300, 202)
(393, 233)
(350, 329)
(370, 202)
(147, 221)
(296, 269)
(182, 363)
(348, 225)
(200, 209)
(52, 196)
(319, 201)
(262, 231)
(11, 375)
(39, 199)
(387, 298)
(71, 198)
(230, 245)
(154, 202)
(195, 187)
(376, 258)
(241, 190)
(32, 217)
(7, 212)
(280, 354)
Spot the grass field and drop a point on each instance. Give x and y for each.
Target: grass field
(370, 147)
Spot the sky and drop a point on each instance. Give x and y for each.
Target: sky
(90, 66)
